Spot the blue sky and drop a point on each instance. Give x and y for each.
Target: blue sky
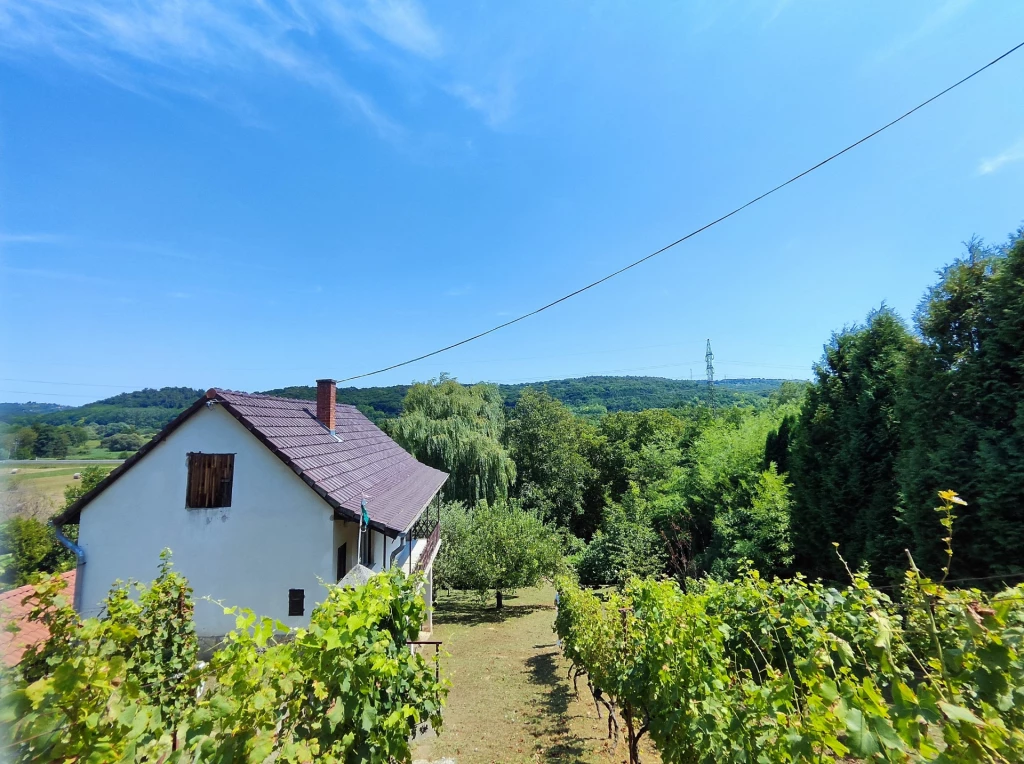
(257, 195)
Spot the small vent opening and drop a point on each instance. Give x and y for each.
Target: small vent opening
(296, 602)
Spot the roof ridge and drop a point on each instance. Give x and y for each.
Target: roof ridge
(264, 396)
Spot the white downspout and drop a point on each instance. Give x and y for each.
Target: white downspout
(398, 549)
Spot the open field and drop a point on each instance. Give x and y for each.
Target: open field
(38, 487)
(510, 699)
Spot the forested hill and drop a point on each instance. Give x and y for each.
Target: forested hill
(386, 402)
(8, 410)
(594, 394)
(147, 408)
(585, 395)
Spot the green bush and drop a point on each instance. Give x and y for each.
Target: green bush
(32, 545)
(626, 545)
(497, 547)
(34, 551)
(126, 441)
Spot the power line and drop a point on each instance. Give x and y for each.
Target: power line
(551, 376)
(49, 395)
(47, 382)
(690, 235)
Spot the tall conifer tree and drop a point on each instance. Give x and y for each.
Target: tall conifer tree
(843, 462)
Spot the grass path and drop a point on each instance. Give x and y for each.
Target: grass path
(510, 700)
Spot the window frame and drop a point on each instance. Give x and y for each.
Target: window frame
(212, 492)
(367, 555)
(342, 561)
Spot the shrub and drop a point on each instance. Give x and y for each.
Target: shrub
(497, 547)
(127, 441)
(627, 545)
(34, 550)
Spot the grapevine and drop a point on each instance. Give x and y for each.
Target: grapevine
(753, 670)
(129, 686)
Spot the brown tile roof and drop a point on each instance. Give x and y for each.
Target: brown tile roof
(12, 609)
(361, 462)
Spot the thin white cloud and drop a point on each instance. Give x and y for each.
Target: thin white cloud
(86, 248)
(31, 238)
(56, 275)
(495, 105)
(1013, 154)
(153, 45)
(942, 15)
(403, 23)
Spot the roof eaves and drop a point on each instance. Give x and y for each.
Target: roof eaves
(74, 512)
(353, 517)
(423, 508)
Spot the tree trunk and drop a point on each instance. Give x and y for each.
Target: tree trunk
(497, 594)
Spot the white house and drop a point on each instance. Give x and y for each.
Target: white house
(259, 499)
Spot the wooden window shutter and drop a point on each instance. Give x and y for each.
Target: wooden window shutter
(210, 480)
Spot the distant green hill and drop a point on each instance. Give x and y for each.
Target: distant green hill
(143, 408)
(587, 395)
(637, 393)
(31, 407)
(384, 402)
(151, 408)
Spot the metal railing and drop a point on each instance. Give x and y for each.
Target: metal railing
(437, 654)
(422, 528)
(428, 551)
(428, 527)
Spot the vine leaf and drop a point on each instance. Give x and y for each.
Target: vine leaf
(960, 714)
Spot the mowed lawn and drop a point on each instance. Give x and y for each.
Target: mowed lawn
(510, 700)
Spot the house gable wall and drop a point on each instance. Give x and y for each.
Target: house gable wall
(276, 535)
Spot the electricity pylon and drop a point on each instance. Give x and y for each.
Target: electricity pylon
(710, 358)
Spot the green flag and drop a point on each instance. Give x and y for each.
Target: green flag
(366, 515)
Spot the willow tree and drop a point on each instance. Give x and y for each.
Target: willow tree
(458, 429)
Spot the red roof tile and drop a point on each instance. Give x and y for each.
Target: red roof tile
(13, 609)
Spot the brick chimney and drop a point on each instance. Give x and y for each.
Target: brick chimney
(326, 396)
